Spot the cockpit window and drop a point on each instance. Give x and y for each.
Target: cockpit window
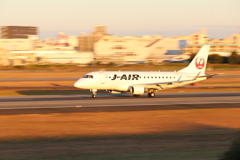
(88, 76)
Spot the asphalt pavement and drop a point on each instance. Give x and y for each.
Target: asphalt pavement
(123, 102)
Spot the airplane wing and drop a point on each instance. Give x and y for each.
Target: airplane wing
(162, 85)
(158, 83)
(172, 84)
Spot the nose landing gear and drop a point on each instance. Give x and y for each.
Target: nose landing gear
(94, 93)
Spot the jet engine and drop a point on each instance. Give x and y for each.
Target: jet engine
(137, 90)
(114, 92)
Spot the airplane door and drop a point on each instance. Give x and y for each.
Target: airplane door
(102, 77)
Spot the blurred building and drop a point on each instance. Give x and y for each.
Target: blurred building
(21, 57)
(86, 42)
(167, 48)
(222, 47)
(67, 57)
(3, 57)
(17, 32)
(73, 42)
(126, 49)
(44, 45)
(196, 38)
(123, 49)
(49, 57)
(147, 48)
(101, 47)
(63, 43)
(17, 44)
(234, 39)
(62, 39)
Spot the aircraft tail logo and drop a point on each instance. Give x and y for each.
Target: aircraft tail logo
(199, 62)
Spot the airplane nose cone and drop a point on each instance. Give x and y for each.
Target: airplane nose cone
(78, 84)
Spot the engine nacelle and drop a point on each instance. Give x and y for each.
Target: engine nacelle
(137, 90)
(114, 92)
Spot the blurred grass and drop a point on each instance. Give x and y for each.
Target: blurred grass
(161, 134)
(119, 147)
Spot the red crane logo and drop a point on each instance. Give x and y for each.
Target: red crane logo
(199, 62)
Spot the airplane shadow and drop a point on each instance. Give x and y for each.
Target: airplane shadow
(104, 94)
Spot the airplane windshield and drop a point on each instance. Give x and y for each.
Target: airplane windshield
(88, 76)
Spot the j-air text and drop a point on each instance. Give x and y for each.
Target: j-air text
(126, 77)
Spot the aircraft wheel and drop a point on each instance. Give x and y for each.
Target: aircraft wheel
(151, 94)
(94, 92)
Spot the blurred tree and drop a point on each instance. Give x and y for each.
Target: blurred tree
(234, 58)
(234, 152)
(215, 58)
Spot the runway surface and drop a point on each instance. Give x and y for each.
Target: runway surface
(124, 102)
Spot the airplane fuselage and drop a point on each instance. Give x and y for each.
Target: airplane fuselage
(122, 80)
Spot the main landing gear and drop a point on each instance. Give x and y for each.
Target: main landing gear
(151, 94)
(94, 93)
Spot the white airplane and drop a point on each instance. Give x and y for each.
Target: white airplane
(140, 82)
